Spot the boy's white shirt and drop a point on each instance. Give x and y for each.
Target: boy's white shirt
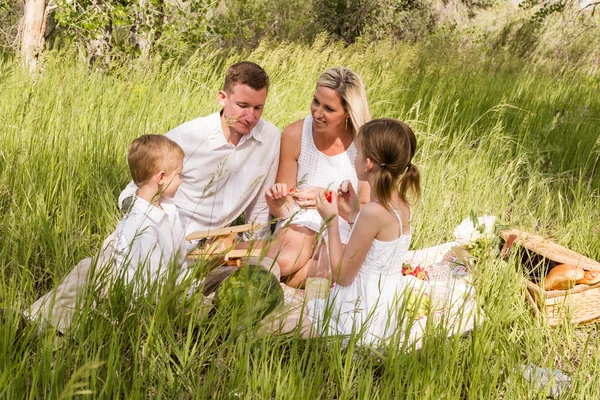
(150, 238)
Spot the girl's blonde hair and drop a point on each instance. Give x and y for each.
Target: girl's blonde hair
(351, 90)
(150, 154)
(391, 144)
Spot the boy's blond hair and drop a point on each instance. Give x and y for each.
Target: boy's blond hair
(150, 154)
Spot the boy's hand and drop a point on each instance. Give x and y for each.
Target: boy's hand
(348, 203)
(328, 210)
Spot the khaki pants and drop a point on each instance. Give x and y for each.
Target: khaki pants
(58, 306)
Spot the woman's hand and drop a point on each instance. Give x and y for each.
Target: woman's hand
(307, 198)
(277, 199)
(327, 209)
(348, 202)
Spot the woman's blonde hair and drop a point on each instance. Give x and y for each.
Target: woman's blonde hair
(351, 90)
(391, 145)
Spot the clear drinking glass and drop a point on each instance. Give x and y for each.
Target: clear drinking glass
(318, 280)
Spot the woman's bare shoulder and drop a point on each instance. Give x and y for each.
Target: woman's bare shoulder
(293, 130)
(291, 140)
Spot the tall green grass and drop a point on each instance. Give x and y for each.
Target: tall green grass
(496, 136)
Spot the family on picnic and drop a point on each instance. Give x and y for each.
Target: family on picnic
(207, 173)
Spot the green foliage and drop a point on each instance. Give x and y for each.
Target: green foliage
(520, 38)
(190, 23)
(347, 20)
(10, 14)
(543, 9)
(86, 18)
(517, 138)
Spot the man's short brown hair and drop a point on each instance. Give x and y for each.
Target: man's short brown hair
(246, 73)
(150, 154)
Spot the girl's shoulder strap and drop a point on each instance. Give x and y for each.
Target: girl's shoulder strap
(400, 220)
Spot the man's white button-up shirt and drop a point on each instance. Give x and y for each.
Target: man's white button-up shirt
(220, 180)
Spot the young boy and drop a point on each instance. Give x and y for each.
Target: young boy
(147, 240)
(150, 237)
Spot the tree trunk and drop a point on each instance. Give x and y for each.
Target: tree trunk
(33, 29)
(147, 25)
(99, 48)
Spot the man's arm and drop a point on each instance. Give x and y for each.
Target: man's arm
(126, 196)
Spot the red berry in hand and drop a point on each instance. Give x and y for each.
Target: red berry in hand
(292, 190)
(328, 195)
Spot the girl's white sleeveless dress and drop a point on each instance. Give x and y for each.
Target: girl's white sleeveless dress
(318, 169)
(372, 298)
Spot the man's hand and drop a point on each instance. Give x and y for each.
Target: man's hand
(126, 204)
(277, 199)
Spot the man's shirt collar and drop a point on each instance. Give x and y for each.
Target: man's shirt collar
(216, 139)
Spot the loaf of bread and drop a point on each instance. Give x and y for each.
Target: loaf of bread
(590, 278)
(563, 276)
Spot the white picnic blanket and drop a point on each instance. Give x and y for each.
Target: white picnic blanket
(451, 293)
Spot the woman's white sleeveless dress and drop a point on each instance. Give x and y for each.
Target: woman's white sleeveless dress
(318, 169)
(372, 298)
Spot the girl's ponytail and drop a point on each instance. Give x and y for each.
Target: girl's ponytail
(384, 181)
(410, 181)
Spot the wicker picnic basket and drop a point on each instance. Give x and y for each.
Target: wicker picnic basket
(578, 305)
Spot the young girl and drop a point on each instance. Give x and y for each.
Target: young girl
(368, 271)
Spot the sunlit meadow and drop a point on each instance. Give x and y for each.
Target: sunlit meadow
(496, 135)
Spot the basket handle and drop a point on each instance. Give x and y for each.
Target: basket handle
(508, 245)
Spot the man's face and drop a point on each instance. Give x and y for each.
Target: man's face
(242, 107)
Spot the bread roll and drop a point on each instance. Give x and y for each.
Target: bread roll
(590, 278)
(563, 276)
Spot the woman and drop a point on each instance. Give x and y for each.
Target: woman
(317, 153)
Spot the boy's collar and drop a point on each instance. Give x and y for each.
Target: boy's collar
(151, 211)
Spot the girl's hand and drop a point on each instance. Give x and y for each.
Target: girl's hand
(348, 203)
(327, 209)
(307, 198)
(277, 195)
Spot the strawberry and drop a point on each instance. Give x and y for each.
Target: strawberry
(417, 272)
(420, 273)
(292, 190)
(328, 195)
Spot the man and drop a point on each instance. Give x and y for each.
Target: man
(231, 157)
